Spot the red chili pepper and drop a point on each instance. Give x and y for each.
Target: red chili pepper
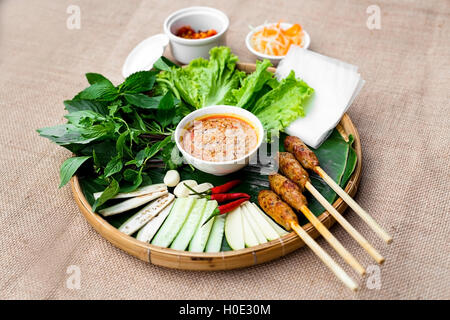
(225, 187)
(219, 190)
(222, 197)
(225, 208)
(219, 197)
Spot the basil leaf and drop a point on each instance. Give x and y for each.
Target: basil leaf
(111, 190)
(134, 177)
(142, 101)
(85, 117)
(140, 158)
(96, 160)
(146, 180)
(98, 130)
(55, 131)
(113, 166)
(103, 151)
(138, 82)
(130, 175)
(156, 147)
(65, 134)
(171, 156)
(149, 152)
(121, 142)
(136, 182)
(166, 110)
(127, 109)
(96, 77)
(69, 167)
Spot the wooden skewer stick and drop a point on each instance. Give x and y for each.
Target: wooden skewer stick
(345, 224)
(283, 214)
(352, 203)
(325, 257)
(340, 249)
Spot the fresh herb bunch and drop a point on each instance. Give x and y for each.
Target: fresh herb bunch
(119, 131)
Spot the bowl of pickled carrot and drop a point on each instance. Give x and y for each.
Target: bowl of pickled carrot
(273, 40)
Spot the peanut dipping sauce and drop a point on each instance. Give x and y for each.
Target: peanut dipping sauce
(220, 137)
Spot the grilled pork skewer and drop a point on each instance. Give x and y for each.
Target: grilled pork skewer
(292, 169)
(284, 215)
(309, 161)
(292, 195)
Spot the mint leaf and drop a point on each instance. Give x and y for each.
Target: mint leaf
(139, 122)
(102, 91)
(166, 110)
(113, 107)
(69, 167)
(113, 166)
(111, 190)
(96, 77)
(138, 82)
(142, 101)
(81, 105)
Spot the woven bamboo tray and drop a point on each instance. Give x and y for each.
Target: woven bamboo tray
(247, 257)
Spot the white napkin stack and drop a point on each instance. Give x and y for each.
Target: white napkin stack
(336, 84)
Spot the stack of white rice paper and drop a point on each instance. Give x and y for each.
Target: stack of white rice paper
(336, 84)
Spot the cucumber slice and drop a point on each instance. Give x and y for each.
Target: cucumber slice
(138, 220)
(131, 203)
(136, 193)
(253, 225)
(234, 231)
(267, 230)
(201, 235)
(190, 226)
(149, 230)
(250, 238)
(215, 237)
(274, 225)
(174, 222)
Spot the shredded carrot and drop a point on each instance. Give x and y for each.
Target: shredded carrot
(273, 40)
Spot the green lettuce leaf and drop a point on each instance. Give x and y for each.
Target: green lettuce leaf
(254, 83)
(282, 105)
(204, 83)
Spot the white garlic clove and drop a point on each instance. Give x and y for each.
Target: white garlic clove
(172, 178)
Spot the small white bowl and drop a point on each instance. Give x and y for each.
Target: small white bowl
(218, 168)
(199, 18)
(274, 59)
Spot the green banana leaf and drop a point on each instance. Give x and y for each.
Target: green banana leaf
(336, 156)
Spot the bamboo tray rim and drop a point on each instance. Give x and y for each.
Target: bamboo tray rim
(145, 251)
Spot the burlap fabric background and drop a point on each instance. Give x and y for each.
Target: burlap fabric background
(402, 115)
